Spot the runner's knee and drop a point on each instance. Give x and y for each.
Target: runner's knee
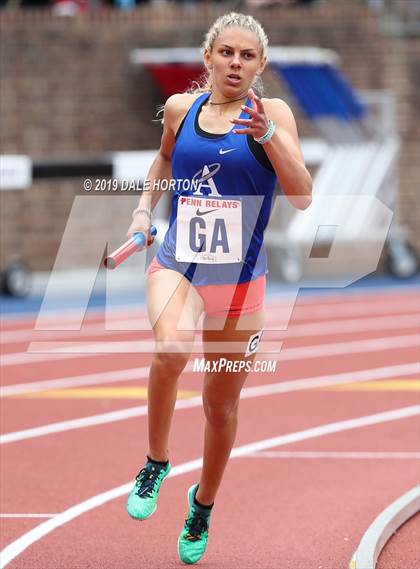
(219, 414)
(172, 354)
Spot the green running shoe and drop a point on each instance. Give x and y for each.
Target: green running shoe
(193, 539)
(142, 500)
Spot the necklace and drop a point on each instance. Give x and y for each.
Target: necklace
(227, 102)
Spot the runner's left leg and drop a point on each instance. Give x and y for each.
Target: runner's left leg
(221, 401)
(221, 396)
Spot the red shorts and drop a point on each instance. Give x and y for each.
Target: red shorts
(227, 300)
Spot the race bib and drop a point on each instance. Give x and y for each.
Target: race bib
(209, 230)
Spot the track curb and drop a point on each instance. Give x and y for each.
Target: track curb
(383, 527)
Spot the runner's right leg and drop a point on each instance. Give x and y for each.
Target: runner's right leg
(174, 308)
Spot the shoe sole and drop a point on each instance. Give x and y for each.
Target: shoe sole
(142, 519)
(189, 497)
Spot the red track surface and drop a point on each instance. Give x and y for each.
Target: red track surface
(273, 511)
(403, 548)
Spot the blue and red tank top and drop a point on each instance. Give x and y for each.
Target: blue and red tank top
(221, 204)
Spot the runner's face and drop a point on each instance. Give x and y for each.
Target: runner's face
(234, 61)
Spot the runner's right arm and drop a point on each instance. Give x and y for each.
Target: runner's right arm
(161, 169)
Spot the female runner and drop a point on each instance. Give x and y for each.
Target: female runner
(232, 147)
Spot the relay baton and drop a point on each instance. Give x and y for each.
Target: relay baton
(136, 243)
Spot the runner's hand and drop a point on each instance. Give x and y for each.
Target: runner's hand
(257, 125)
(140, 224)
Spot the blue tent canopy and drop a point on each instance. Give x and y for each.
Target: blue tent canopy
(321, 91)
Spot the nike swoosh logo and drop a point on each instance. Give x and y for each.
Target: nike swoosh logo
(198, 212)
(221, 151)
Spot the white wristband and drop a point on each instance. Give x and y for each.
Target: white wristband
(268, 135)
(142, 210)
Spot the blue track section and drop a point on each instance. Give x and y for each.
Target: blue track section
(14, 306)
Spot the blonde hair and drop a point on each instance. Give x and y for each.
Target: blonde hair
(233, 19)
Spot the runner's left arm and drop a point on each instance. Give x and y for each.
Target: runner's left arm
(283, 148)
(285, 155)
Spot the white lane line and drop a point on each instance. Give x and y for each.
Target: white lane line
(383, 527)
(28, 515)
(352, 455)
(131, 374)
(118, 327)
(347, 326)
(302, 311)
(93, 420)
(18, 546)
(46, 351)
(329, 428)
(355, 347)
(246, 393)
(349, 309)
(79, 349)
(332, 379)
(353, 325)
(134, 374)
(23, 358)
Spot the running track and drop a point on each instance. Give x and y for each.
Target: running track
(325, 443)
